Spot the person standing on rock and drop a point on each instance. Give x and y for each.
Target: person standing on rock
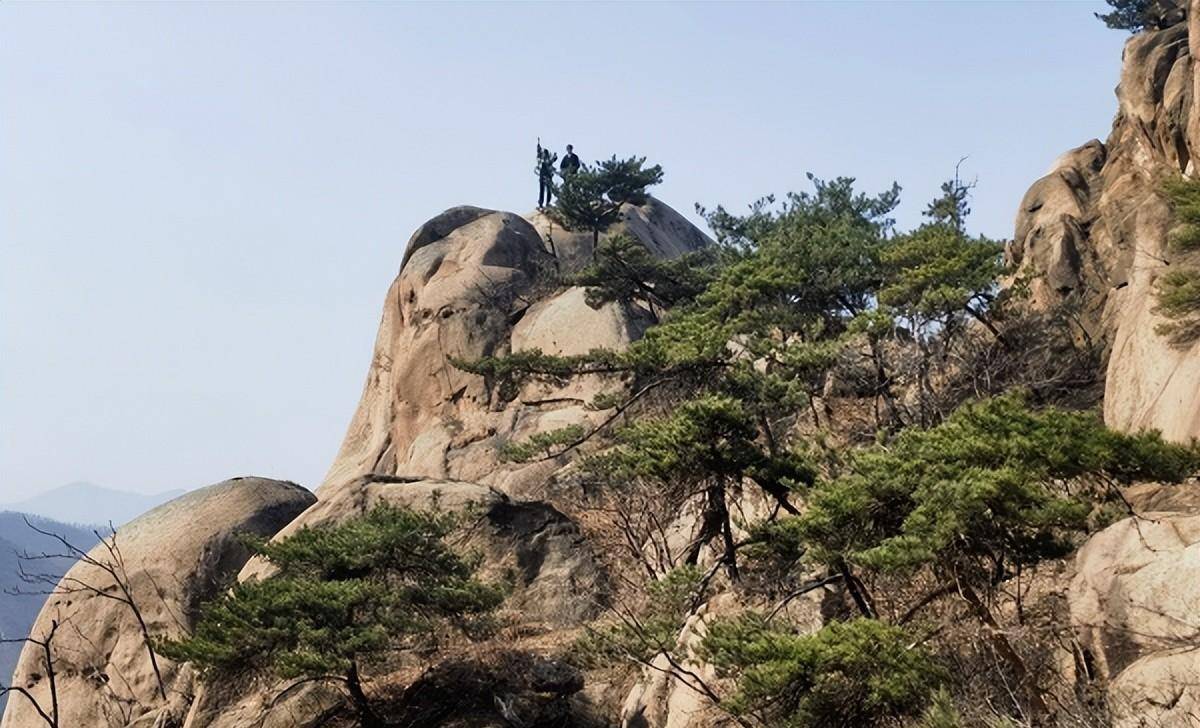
(570, 163)
(545, 173)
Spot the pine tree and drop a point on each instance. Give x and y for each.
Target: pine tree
(1138, 15)
(702, 449)
(590, 199)
(937, 272)
(1178, 289)
(341, 595)
(1184, 196)
(861, 673)
(1178, 293)
(985, 492)
(625, 271)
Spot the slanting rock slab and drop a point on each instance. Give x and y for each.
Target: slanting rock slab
(175, 556)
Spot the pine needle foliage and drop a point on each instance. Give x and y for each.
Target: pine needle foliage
(941, 713)
(625, 271)
(1178, 289)
(545, 444)
(590, 199)
(1138, 15)
(342, 594)
(1184, 196)
(937, 271)
(1179, 300)
(857, 674)
(704, 448)
(986, 489)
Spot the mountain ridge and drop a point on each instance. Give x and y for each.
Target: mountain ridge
(85, 503)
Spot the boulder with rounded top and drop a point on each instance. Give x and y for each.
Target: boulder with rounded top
(170, 560)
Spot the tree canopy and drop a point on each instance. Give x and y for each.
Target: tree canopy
(945, 492)
(1138, 15)
(590, 198)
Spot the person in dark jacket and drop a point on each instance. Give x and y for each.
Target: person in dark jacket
(570, 163)
(545, 174)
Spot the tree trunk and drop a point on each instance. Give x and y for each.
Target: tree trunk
(50, 676)
(722, 508)
(1037, 704)
(367, 716)
(883, 388)
(854, 586)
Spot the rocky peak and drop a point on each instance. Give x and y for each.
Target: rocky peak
(474, 283)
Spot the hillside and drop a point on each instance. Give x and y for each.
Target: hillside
(808, 470)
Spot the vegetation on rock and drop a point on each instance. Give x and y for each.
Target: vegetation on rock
(860, 673)
(1178, 288)
(907, 432)
(590, 198)
(1138, 15)
(342, 595)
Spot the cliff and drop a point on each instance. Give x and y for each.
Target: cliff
(1092, 233)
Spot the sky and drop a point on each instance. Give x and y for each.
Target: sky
(202, 205)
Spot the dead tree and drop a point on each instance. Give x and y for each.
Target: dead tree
(110, 562)
(46, 645)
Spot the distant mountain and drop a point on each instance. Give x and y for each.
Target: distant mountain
(86, 503)
(17, 612)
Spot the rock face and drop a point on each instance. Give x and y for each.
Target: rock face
(473, 284)
(1133, 601)
(175, 556)
(1092, 233)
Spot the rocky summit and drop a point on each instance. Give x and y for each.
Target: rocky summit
(916, 503)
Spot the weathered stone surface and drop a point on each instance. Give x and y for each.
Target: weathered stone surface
(474, 284)
(1133, 603)
(566, 325)
(1092, 233)
(175, 556)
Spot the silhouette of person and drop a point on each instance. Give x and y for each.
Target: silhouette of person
(545, 174)
(570, 162)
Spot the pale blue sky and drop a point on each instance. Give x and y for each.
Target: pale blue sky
(203, 204)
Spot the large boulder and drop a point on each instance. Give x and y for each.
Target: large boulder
(1092, 233)
(170, 560)
(475, 283)
(1133, 604)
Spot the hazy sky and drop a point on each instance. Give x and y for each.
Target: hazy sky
(203, 205)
